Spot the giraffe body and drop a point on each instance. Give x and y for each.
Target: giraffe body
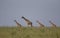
(41, 25)
(28, 22)
(52, 24)
(18, 25)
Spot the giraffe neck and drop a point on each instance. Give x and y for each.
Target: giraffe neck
(17, 22)
(41, 24)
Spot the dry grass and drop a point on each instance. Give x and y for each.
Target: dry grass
(14, 32)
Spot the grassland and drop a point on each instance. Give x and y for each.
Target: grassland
(14, 32)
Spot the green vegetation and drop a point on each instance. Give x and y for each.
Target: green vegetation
(14, 32)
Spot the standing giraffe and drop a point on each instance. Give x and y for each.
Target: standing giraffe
(41, 25)
(53, 25)
(28, 22)
(19, 25)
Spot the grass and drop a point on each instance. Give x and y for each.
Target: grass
(26, 32)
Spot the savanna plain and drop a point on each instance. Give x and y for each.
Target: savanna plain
(29, 32)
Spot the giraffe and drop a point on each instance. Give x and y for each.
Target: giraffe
(53, 25)
(41, 25)
(18, 25)
(28, 22)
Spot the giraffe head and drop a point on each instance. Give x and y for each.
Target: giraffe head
(14, 20)
(37, 21)
(22, 17)
(50, 21)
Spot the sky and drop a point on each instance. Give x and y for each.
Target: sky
(42, 10)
